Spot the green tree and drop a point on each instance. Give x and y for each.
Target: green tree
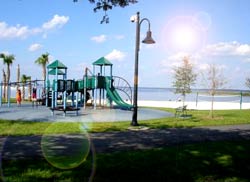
(29, 87)
(184, 78)
(8, 60)
(106, 5)
(43, 60)
(4, 84)
(247, 83)
(216, 80)
(18, 77)
(24, 79)
(109, 4)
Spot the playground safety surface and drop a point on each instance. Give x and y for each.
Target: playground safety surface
(41, 113)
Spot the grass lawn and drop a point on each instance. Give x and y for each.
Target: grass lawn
(199, 118)
(204, 162)
(207, 162)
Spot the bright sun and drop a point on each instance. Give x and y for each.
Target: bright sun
(184, 37)
(183, 34)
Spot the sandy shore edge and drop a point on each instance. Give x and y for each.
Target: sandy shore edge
(193, 105)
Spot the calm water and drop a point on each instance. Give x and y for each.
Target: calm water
(167, 94)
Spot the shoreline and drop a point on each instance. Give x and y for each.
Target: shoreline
(192, 105)
(204, 105)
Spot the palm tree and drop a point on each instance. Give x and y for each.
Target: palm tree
(8, 60)
(29, 88)
(4, 84)
(24, 80)
(43, 60)
(18, 77)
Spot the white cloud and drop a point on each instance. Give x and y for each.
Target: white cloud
(176, 60)
(243, 50)
(233, 48)
(56, 22)
(18, 31)
(22, 32)
(116, 55)
(99, 39)
(35, 47)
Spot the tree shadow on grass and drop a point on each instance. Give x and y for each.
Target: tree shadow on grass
(174, 154)
(210, 161)
(46, 158)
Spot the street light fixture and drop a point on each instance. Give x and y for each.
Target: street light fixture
(147, 40)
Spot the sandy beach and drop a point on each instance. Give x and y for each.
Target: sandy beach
(202, 105)
(193, 105)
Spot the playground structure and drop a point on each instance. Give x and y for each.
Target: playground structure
(34, 87)
(62, 94)
(104, 89)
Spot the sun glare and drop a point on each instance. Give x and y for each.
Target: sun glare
(184, 37)
(183, 34)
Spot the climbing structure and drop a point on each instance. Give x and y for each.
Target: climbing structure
(57, 70)
(100, 82)
(105, 84)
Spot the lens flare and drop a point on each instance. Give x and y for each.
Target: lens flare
(65, 151)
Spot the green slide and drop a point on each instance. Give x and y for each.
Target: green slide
(113, 94)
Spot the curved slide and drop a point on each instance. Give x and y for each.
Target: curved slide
(113, 94)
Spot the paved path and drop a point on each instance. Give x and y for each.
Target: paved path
(41, 113)
(30, 146)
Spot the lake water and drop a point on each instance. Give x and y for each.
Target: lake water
(168, 94)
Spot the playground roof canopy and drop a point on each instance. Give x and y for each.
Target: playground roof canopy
(102, 62)
(53, 72)
(56, 64)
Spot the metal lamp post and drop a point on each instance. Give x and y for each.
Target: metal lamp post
(147, 40)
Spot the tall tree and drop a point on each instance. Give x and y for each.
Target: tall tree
(18, 77)
(184, 78)
(8, 60)
(247, 83)
(29, 87)
(106, 5)
(4, 84)
(216, 80)
(109, 4)
(43, 60)
(24, 79)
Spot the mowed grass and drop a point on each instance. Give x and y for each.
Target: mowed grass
(202, 118)
(199, 118)
(206, 162)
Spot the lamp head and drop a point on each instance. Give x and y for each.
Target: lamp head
(148, 39)
(133, 18)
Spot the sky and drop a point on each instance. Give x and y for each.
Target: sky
(207, 31)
